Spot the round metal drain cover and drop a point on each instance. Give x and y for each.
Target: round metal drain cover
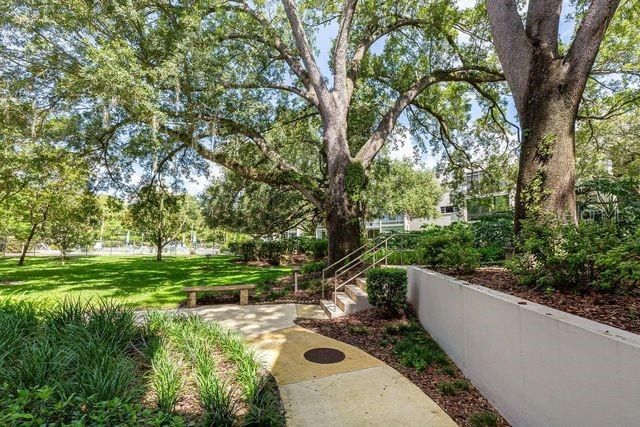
(324, 355)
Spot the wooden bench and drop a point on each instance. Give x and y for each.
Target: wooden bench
(192, 291)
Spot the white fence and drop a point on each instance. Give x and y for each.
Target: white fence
(118, 250)
(537, 365)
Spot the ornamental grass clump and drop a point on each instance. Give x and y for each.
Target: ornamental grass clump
(77, 348)
(167, 378)
(228, 374)
(76, 362)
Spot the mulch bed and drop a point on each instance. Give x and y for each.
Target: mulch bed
(301, 297)
(618, 310)
(349, 329)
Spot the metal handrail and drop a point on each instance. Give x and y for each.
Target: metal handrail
(344, 284)
(350, 264)
(329, 267)
(353, 262)
(342, 259)
(373, 250)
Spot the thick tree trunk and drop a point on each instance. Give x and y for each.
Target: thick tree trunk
(344, 231)
(25, 248)
(547, 172)
(342, 214)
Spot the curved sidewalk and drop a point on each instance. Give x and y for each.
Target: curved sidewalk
(357, 391)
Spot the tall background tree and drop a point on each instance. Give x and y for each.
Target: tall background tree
(162, 216)
(547, 83)
(254, 208)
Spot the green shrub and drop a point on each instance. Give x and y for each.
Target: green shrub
(484, 419)
(619, 267)
(396, 257)
(319, 248)
(300, 244)
(313, 267)
(492, 254)
(234, 248)
(561, 256)
(248, 250)
(450, 247)
(451, 388)
(492, 235)
(387, 288)
(404, 257)
(272, 251)
(405, 241)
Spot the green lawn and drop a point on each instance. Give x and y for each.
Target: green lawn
(140, 281)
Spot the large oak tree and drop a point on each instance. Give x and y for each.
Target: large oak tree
(244, 84)
(547, 84)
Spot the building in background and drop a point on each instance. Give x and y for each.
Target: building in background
(475, 207)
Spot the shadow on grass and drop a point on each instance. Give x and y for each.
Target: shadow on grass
(139, 280)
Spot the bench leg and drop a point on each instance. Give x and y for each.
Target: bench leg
(244, 296)
(191, 300)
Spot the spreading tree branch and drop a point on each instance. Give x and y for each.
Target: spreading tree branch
(375, 143)
(302, 43)
(370, 37)
(543, 19)
(340, 51)
(585, 46)
(512, 45)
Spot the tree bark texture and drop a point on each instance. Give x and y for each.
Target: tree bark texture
(547, 88)
(547, 171)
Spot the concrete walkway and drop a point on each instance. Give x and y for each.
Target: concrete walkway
(358, 391)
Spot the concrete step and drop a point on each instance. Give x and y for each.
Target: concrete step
(360, 297)
(330, 309)
(361, 282)
(345, 303)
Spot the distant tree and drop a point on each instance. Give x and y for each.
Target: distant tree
(73, 223)
(398, 188)
(111, 216)
(237, 204)
(59, 180)
(160, 215)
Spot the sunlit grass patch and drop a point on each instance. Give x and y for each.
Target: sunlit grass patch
(139, 281)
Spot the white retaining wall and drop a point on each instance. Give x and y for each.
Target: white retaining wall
(538, 366)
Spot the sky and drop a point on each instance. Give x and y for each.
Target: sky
(404, 147)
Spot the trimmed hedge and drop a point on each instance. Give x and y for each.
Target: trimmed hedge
(313, 267)
(387, 288)
(272, 251)
(320, 249)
